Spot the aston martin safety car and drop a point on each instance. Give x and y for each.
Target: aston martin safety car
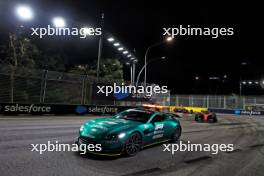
(129, 131)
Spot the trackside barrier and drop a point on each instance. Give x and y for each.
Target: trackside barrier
(59, 109)
(236, 111)
(56, 109)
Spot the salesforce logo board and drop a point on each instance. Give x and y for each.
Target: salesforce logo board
(121, 95)
(237, 111)
(81, 109)
(251, 112)
(27, 108)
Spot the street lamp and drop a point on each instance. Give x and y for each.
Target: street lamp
(24, 12)
(168, 39)
(241, 83)
(262, 83)
(144, 67)
(131, 59)
(240, 87)
(132, 65)
(59, 22)
(86, 31)
(131, 71)
(111, 39)
(244, 63)
(116, 44)
(249, 83)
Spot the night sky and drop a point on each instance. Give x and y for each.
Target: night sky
(138, 24)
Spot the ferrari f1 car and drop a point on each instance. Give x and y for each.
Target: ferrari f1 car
(129, 131)
(206, 116)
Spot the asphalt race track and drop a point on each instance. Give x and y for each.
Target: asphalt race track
(18, 132)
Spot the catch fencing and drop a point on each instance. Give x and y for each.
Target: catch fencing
(50, 87)
(23, 85)
(217, 101)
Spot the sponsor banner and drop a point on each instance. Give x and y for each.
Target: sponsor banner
(38, 109)
(247, 112)
(236, 111)
(17, 108)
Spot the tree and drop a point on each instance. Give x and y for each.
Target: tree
(19, 53)
(21, 56)
(111, 69)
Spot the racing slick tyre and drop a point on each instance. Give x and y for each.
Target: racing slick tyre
(213, 119)
(176, 135)
(133, 144)
(198, 118)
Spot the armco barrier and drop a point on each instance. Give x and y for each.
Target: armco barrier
(39, 109)
(236, 111)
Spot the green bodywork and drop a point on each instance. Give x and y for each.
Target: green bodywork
(112, 132)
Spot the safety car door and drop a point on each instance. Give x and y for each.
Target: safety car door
(156, 129)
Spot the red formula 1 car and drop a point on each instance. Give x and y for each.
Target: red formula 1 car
(206, 116)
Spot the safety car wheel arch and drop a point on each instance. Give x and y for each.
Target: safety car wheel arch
(125, 144)
(178, 130)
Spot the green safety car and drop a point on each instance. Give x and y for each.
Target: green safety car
(129, 131)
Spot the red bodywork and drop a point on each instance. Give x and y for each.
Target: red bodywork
(206, 115)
